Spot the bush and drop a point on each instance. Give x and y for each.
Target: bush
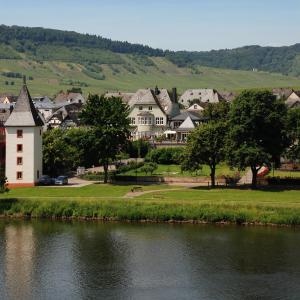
(165, 156)
(99, 176)
(138, 148)
(132, 165)
(149, 168)
(283, 181)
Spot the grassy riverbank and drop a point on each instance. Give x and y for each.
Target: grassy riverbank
(163, 204)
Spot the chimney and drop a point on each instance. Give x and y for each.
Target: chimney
(174, 95)
(156, 91)
(11, 108)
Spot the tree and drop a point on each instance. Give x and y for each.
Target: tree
(59, 156)
(293, 125)
(206, 146)
(217, 111)
(257, 131)
(109, 122)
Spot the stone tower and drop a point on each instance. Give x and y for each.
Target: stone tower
(23, 162)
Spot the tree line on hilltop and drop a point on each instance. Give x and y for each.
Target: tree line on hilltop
(39, 42)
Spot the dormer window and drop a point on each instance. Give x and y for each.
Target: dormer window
(150, 107)
(195, 106)
(19, 133)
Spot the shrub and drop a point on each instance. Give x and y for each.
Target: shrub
(132, 165)
(149, 168)
(165, 156)
(138, 148)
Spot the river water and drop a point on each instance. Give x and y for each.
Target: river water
(78, 260)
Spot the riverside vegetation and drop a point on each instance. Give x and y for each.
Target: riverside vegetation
(161, 203)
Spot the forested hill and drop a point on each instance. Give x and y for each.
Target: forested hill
(72, 46)
(285, 60)
(26, 38)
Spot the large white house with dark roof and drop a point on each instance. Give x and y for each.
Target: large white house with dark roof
(23, 163)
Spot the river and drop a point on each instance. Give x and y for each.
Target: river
(87, 260)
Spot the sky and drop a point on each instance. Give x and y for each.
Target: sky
(196, 25)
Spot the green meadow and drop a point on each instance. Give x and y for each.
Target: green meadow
(51, 76)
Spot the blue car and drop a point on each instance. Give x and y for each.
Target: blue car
(46, 180)
(61, 180)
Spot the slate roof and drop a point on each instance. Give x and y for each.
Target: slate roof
(228, 95)
(24, 112)
(124, 96)
(204, 95)
(159, 97)
(70, 112)
(69, 97)
(282, 92)
(188, 124)
(188, 114)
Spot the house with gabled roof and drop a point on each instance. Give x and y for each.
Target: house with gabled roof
(199, 96)
(293, 100)
(151, 111)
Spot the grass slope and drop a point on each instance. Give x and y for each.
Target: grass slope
(51, 76)
(197, 205)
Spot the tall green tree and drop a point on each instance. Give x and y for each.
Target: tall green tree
(109, 122)
(257, 131)
(293, 124)
(217, 111)
(206, 146)
(59, 156)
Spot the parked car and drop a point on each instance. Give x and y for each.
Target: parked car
(61, 180)
(46, 180)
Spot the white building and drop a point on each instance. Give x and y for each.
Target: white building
(23, 164)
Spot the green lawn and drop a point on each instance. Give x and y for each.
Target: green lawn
(93, 190)
(175, 171)
(183, 204)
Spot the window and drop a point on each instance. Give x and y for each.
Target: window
(19, 148)
(195, 106)
(19, 133)
(19, 161)
(38, 174)
(140, 107)
(159, 121)
(19, 175)
(40, 131)
(132, 121)
(150, 107)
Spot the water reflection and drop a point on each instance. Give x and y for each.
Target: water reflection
(19, 253)
(56, 260)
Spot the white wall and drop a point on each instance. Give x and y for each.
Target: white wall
(32, 154)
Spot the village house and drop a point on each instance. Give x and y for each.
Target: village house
(8, 99)
(45, 106)
(64, 98)
(293, 100)
(151, 111)
(182, 124)
(66, 116)
(200, 96)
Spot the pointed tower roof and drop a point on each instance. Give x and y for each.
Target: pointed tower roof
(24, 113)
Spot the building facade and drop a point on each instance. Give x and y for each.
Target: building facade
(23, 162)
